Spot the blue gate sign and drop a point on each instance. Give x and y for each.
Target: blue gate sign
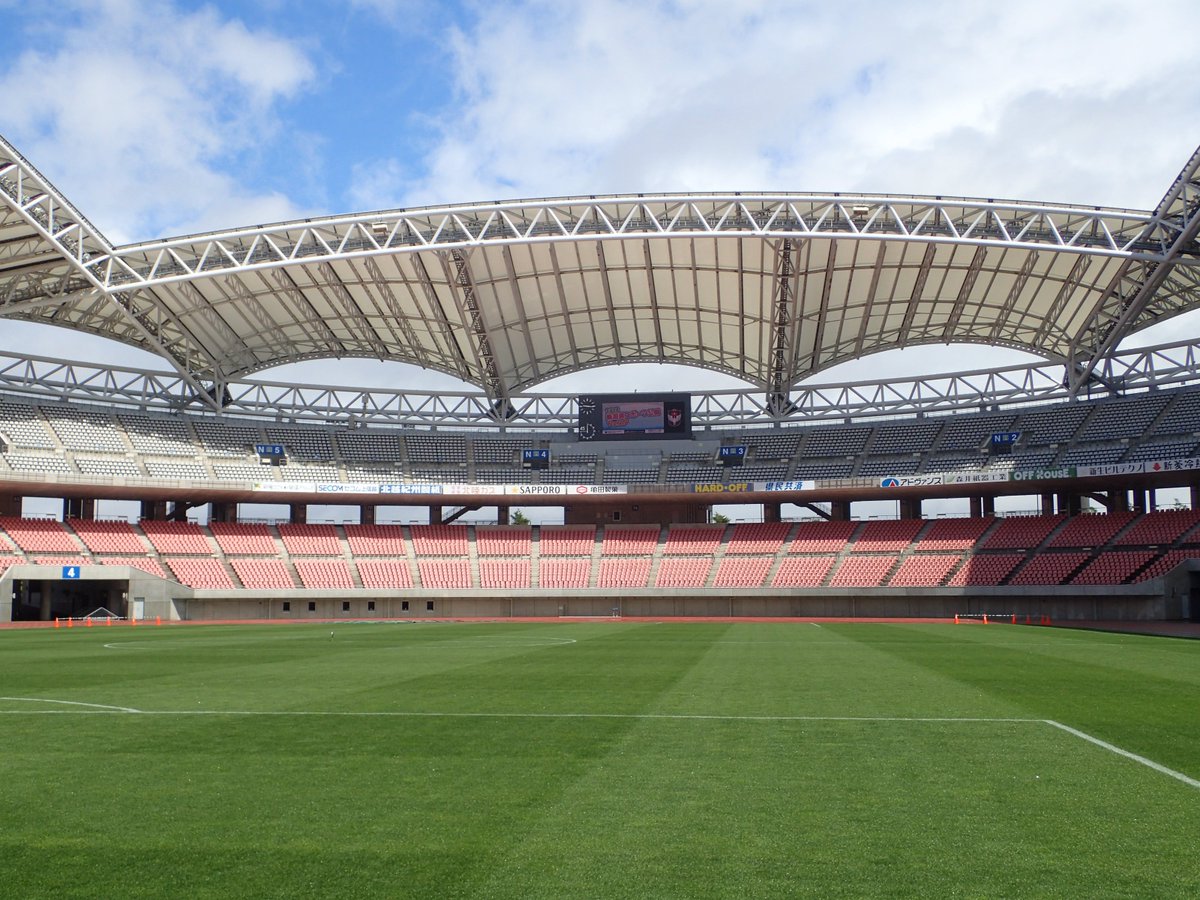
(70, 572)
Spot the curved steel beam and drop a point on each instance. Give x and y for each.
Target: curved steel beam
(1174, 227)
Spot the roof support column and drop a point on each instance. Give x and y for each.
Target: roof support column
(502, 409)
(779, 402)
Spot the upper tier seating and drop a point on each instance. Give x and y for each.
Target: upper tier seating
(85, 429)
(301, 443)
(567, 540)
(757, 537)
(693, 540)
(243, 538)
(1051, 424)
(503, 540)
(39, 535)
(376, 540)
(437, 448)
(310, 540)
(1126, 418)
(972, 432)
(108, 536)
(907, 437)
(21, 425)
(158, 435)
(226, 439)
(176, 538)
(439, 540)
(835, 441)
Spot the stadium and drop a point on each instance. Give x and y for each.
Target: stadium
(771, 289)
(636, 698)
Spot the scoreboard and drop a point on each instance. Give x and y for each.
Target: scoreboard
(622, 417)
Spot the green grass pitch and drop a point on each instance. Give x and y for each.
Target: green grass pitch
(589, 759)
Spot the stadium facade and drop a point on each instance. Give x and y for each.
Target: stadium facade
(772, 289)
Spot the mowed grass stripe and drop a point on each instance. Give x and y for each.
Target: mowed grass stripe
(1134, 695)
(643, 761)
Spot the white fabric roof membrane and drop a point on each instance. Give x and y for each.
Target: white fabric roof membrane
(768, 288)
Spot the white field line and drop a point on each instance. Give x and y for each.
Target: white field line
(102, 709)
(417, 714)
(1113, 748)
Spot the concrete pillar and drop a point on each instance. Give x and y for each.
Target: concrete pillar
(502, 514)
(222, 512)
(366, 514)
(298, 513)
(1194, 495)
(79, 508)
(1118, 501)
(435, 515)
(1046, 503)
(772, 512)
(839, 511)
(1151, 500)
(154, 510)
(10, 505)
(982, 506)
(910, 508)
(1069, 503)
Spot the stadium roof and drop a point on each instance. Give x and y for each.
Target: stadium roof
(768, 288)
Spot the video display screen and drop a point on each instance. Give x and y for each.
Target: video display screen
(607, 417)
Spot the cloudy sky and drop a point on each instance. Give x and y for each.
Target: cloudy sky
(158, 118)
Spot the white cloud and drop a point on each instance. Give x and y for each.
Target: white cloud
(1069, 101)
(141, 112)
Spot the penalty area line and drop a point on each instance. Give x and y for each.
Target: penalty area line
(1113, 748)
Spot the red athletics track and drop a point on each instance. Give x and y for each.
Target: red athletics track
(1161, 629)
(147, 623)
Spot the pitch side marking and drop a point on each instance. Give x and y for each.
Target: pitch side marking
(482, 641)
(92, 708)
(97, 706)
(1113, 748)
